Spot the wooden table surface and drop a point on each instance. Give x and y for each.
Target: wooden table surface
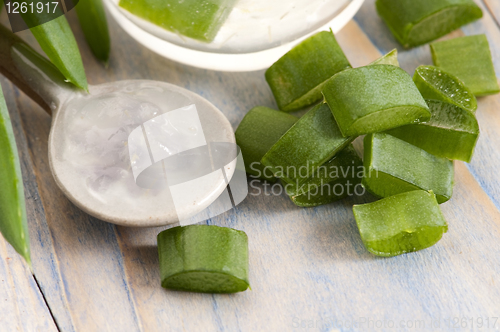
(308, 267)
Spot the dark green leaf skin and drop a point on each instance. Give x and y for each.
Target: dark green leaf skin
(435, 83)
(400, 224)
(197, 19)
(452, 132)
(297, 77)
(310, 142)
(415, 23)
(58, 42)
(95, 27)
(469, 59)
(13, 221)
(332, 181)
(204, 259)
(374, 98)
(393, 166)
(259, 130)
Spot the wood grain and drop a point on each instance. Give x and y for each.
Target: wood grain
(308, 267)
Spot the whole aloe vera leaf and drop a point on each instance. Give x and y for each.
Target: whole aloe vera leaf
(58, 42)
(95, 27)
(13, 221)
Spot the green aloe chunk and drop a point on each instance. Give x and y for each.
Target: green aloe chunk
(400, 224)
(435, 83)
(204, 259)
(374, 98)
(312, 141)
(95, 27)
(393, 166)
(390, 58)
(58, 42)
(416, 22)
(297, 77)
(452, 132)
(13, 221)
(469, 59)
(197, 19)
(259, 130)
(331, 182)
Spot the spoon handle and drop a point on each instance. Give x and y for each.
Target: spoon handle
(32, 73)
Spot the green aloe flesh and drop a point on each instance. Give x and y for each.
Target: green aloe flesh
(469, 59)
(390, 58)
(95, 27)
(393, 166)
(259, 130)
(400, 224)
(13, 220)
(204, 259)
(452, 132)
(312, 141)
(58, 42)
(297, 77)
(197, 19)
(332, 181)
(415, 23)
(374, 98)
(435, 83)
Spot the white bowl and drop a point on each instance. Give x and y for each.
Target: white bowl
(255, 35)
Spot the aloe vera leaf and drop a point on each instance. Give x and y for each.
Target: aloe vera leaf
(393, 166)
(452, 132)
(197, 19)
(435, 83)
(58, 42)
(205, 259)
(400, 224)
(13, 221)
(297, 77)
(95, 27)
(331, 182)
(415, 23)
(259, 130)
(312, 141)
(390, 58)
(374, 98)
(469, 59)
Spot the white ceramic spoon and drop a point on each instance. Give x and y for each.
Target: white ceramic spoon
(88, 151)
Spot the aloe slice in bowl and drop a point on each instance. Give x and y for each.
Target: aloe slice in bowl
(452, 132)
(205, 259)
(400, 224)
(393, 166)
(297, 77)
(310, 142)
(391, 58)
(364, 100)
(469, 59)
(435, 83)
(415, 23)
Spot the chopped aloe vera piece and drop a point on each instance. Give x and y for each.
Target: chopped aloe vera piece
(452, 132)
(393, 166)
(259, 130)
(204, 259)
(197, 19)
(469, 59)
(435, 83)
(297, 77)
(331, 182)
(416, 22)
(390, 58)
(13, 220)
(400, 224)
(311, 142)
(374, 98)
